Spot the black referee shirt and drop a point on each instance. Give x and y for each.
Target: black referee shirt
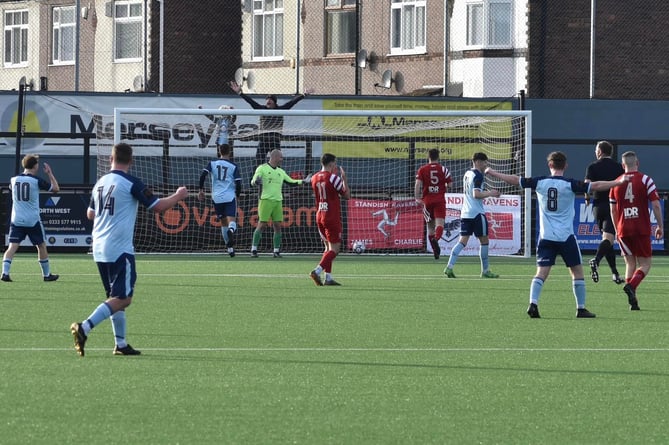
(604, 169)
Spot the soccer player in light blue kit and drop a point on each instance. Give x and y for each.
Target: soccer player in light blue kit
(113, 209)
(226, 185)
(25, 215)
(555, 199)
(472, 216)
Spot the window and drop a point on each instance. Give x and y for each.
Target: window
(16, 38)
(407, 26)
(489, 23)
(63, 35)
(128, 30)
(267, 29)
(341, 29)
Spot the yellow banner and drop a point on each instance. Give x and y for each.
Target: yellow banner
(395, 136)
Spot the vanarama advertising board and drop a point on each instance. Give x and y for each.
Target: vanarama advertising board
(456, 137)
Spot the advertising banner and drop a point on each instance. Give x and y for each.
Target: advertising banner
(588, 234)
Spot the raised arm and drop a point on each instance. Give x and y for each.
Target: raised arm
(509, 179)
(55, 188)
(170, 201)
(599, 186)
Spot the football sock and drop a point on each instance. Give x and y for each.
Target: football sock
(276, 240)
(455, 252)
(328, 276)
(438, 232)
(118, 326)
(602, 250)
(637, 278)
(535, 289)
(6, 264)
(224, 231)
(578, 286)
(100, 314)
(483, 253)
(232, 226)
(44, 264)
(611, 259)
(326, 261)
(257, 235)
(318, 269)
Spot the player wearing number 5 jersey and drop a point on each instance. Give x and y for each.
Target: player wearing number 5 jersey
(629, 210)
(555, 199)
(25, 220)
(432, 180)
(328, 188)
(226, 185)
(113, 209)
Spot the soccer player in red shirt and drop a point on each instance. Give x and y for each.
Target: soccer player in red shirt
(432, 180)
(629, 210)
(328, 188)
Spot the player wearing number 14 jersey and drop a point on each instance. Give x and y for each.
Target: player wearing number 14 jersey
(629, 210)
(432, 180)
(329, 187)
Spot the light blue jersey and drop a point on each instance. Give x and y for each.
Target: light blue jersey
(555, 198)
(114, 199)
(224, 176)
(471, 207)
(25, 199)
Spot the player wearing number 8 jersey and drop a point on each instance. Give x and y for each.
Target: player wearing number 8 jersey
(629, 210)
(432, 181)
(328, 188)
(113, 209)
(555, 199)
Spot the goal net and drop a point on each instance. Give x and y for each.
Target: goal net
(379, 150)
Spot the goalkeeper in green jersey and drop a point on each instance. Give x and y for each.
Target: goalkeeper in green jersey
(270, 176)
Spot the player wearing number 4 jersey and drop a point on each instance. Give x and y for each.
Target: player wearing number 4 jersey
(25, 215)
(629, 210)
(555, 199)
(226, 185)
(113, 209)
(328, 188)
(432, 180)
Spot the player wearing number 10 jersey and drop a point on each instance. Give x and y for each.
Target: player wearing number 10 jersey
(432, 180)
(328, 188)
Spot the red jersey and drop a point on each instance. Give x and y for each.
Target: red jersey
(327, 188)
(435, 178)
(631, 201)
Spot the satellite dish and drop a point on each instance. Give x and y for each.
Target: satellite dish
(361, 60)
(138, 84)
(387, 79)
(250, 78)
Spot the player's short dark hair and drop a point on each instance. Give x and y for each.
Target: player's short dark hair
(433, 154)
(29, 161)
(273, 98)
(557, 159)
(224, 149)
(479, 156)
(605, 147)
(327, 158)
(122, 153)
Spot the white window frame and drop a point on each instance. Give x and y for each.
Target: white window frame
(128, 13)
(484, 26)
(335, 36)
(268, 21)
(63, 35)
(408, 27)
(15, 53)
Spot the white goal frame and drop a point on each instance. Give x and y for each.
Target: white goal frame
(526, 114)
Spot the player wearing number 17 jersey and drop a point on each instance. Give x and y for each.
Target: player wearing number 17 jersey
(113, 209)
(328, 188)
(629, 210)
(432, 181)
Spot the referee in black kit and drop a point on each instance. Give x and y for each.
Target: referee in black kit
(603, 169)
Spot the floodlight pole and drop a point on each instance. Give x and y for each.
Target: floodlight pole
(358, 47)
(593, 6)
(19, 126)
(77, 25)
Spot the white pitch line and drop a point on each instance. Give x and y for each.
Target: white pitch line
(242, 349)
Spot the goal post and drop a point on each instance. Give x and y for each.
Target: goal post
(379, 150)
